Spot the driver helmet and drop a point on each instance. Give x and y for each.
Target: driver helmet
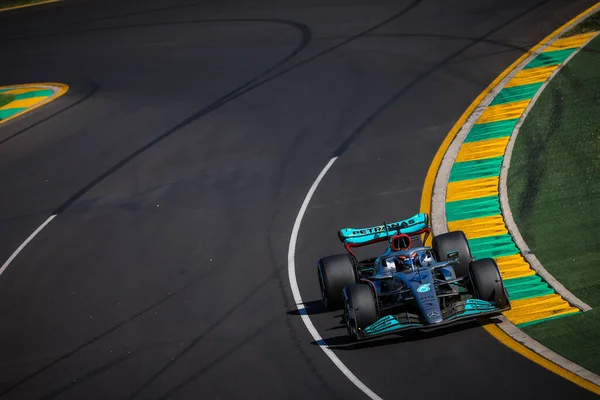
(405, 262)
(425, 259)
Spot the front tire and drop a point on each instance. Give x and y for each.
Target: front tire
(453, 241)
(487, 282)
(360, 309)
(335, 273)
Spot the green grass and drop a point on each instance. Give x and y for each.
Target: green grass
(554, 193)
(14, 3)
(5, 99)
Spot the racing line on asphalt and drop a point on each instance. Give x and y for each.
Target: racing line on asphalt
(189, 330)
(239, 91)
(426, 198)
(247, 87)
(244, 88)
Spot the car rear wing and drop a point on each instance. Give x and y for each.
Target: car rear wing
(413, 226)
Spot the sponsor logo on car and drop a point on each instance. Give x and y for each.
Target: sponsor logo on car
(382, 228)
(424, 288)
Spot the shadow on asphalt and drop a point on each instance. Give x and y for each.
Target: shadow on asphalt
(311, 308)
(343, 342)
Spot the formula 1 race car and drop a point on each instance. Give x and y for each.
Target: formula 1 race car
(409, 286)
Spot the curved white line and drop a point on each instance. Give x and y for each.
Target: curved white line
(298, 298)
(25, 243)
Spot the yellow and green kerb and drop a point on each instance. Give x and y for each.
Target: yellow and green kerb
(472, 199)
(28, 97)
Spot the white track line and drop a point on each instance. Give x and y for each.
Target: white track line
(298, 298)
(25, 243)
(293, 283)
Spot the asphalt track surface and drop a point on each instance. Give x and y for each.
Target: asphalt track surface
(177, 163)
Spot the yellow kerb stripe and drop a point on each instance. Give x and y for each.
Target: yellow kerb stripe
(531, 75)
(503, 112)
(542, 303)
(570, 42)
(480, 227)
(472, 189)
(23, 103)
(482, 149)
(535, 308)
(514, 266)
(22, 90)
(426, 199)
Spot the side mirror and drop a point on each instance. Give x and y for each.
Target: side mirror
(452, 255)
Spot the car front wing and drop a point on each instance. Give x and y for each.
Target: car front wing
(402, 322)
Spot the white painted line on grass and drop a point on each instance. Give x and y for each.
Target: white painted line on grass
(25, 243)
(298, 298)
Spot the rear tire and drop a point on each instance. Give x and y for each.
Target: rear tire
(453, 241)
(360, 309)
(335, 273)
(487, 282)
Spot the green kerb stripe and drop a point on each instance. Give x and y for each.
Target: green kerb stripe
(530, 292)
(527, 287)
(10, 112)
(476, 169)
(516, 93)
(493, 246)
(5, 90)
(472, 208)
(34, 93)
(550, 58)
(491, 130)
(537, 321)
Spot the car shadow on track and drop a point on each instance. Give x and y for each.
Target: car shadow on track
(344, 342)
(312, 308)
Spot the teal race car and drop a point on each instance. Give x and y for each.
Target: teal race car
(409, 286)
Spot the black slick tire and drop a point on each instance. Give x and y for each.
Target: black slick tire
(335, 273)
(487, 282)
(360, 309)
(453, 241)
